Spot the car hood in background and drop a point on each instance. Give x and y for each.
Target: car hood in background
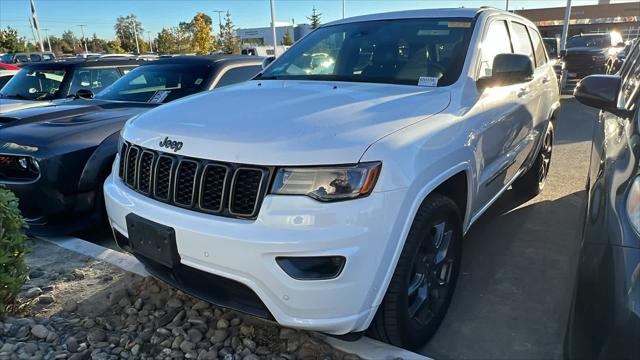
(274, 122)
(8, 105)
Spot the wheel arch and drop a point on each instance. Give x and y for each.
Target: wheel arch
(99, 162)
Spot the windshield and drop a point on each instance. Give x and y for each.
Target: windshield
(157, 83)
(34, 84)
(600, 42)
(426, 51)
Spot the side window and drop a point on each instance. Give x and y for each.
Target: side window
(538, 47)
(521, 41)
(239, 74)
(93, 79)
(47, 57)
(496, 42)
(630, 75)
(35, 57)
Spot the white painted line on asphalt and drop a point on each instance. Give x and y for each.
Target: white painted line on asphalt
(366, 348)
(122, 260)
(371, 349)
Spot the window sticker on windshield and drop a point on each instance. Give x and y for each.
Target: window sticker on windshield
(198, 81)
(423, 32)
(458, 24)
(428, 81)
(159, 96)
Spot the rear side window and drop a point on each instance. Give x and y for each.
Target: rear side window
(521, 41)
(495, 42)
(35, 57)
(239, 74)
(93, 79)
(538, 47)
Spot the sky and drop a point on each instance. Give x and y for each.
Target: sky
(100, 15)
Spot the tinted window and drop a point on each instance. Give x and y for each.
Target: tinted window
(93, 79)
(398, 51)
(552, 46)
(157, 83)
(35, 57)
(496, 42)
(34, 84)
(47, 57)
(538, 47)
(595, 41)
(238, 74)
(630, 75)
(21, 58)
(4, 79)
(521, 41)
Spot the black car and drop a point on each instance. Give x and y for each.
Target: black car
(56, 158)
(39, 84)
(614, 64)
(553, 49)
(587, 54)
(604, 321)
(21, 58)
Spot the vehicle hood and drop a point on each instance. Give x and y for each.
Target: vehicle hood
(275, 122)
(73, 124)
(8, 105)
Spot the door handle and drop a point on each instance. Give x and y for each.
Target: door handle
(523, 91)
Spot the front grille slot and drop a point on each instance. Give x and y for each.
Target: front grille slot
(225, 189)
(246, 188)
(131, 166)
(185, 183)
(146, 170)
(163, 177)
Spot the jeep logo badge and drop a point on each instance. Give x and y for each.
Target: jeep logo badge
(171, 144)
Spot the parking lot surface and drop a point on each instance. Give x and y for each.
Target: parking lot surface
(514, 291)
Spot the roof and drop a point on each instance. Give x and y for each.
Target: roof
(207, 59)
(414, 14)
(81, 63)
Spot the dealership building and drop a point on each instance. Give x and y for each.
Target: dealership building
(263, 35)
(603, 17)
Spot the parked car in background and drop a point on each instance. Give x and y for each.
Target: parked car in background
(604, 321)
(6, 73)
(335, 198)
(42, 83)
(27, 57)
(263, 50)
(553, 49)
(56, 158)
(587, 54)
(614, 64)
(85, 55)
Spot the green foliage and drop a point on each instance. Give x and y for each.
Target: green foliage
(314, 18)
(127, 28)
(202, 38)
(287, 40)
(228, 40)
(13, 246)
(11, 42)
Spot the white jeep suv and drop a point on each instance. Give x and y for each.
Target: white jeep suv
(332, 192)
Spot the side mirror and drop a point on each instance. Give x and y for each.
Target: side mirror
(508, 69)
(563, 53)
(601, 92)
(84, 94)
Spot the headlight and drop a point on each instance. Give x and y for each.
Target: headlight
(633, 204)
(328, 183)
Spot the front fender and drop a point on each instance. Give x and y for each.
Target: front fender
(98, 165)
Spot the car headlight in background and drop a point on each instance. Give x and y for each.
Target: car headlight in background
(633, 204)
(327, 183)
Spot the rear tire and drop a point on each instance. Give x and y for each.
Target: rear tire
(422, 285)
(532, 182)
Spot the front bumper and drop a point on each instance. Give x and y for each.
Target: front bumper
(245, 251)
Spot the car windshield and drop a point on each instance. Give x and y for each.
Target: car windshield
(411, 52)
(159, 83)
(600, 42)
(30, 84)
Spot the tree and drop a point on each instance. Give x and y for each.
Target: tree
(70, 39)
(228, 39)
(11, 42)
(167, 42)
(314, 18)
(124, 28)
(184, 34)
(287, 40)
(202, 38)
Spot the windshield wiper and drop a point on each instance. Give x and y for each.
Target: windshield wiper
(17, 96)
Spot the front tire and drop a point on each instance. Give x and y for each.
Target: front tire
(422, 285)
(532, 182)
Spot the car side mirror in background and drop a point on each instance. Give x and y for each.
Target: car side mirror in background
(84, 94)
(563, 53)
(601, 92)
(508, 69)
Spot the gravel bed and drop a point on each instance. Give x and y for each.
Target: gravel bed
(75, 307)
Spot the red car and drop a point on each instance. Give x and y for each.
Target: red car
(4, 66)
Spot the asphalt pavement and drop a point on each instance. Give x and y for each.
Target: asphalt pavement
(514, 291)
(513, 294)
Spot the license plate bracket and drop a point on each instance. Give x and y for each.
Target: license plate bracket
(154, 241)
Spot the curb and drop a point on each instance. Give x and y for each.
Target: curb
(366, 348)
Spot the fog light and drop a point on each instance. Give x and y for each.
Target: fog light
(312, 268)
